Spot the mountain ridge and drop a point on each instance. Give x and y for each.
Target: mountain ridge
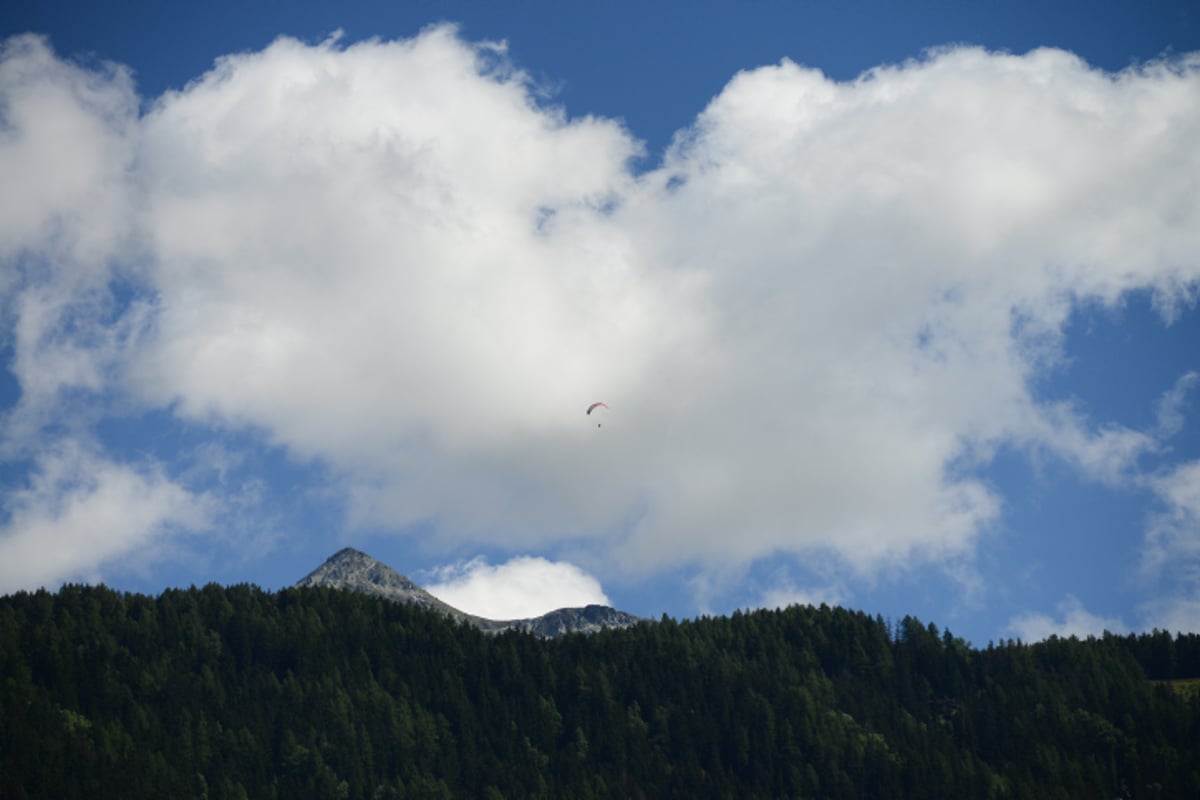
(354, 570)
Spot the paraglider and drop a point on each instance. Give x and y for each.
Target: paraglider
(593, 407)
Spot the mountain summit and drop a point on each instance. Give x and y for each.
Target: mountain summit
(356, 571)
(352, 569)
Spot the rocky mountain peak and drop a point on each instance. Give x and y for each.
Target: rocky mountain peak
(358, 572)
(355, 570)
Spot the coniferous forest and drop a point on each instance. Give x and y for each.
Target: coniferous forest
(235, 692)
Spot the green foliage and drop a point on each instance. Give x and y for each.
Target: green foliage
(233, 692)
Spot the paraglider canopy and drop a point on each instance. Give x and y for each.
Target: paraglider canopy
(593, 407)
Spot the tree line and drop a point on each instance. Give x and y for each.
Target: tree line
(237, 692)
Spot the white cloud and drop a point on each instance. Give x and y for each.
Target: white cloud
(812, 324)
(1073, 620)
(349, 255)
(1170, 566)
(787, 594)
(81, 513)
(1174, 535)
(1172, 406)
(67, 143)
(1178, 614)
(520, 588)
(69, 136)
(887, 264)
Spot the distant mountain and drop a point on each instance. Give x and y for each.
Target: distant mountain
(351, 569)
(354, 570)
(588, 619)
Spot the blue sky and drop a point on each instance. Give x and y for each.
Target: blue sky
(894, 305)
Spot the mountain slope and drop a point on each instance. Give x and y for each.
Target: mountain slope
(354, 570)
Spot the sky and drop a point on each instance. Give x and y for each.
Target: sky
(892, 306)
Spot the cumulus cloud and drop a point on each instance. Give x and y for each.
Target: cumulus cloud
(1073, 620)
(356, 250)
(520, 588)
(69, 136)
(81, 512)
(887, 263)
(67, 141)
(813, 323)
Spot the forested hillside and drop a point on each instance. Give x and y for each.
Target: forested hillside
(237, 692)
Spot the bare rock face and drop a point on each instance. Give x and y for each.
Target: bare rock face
(350, 569)
(358, 572)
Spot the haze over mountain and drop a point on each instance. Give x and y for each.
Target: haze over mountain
(356, 571)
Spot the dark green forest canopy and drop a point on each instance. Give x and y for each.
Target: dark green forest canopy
(235, 692)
